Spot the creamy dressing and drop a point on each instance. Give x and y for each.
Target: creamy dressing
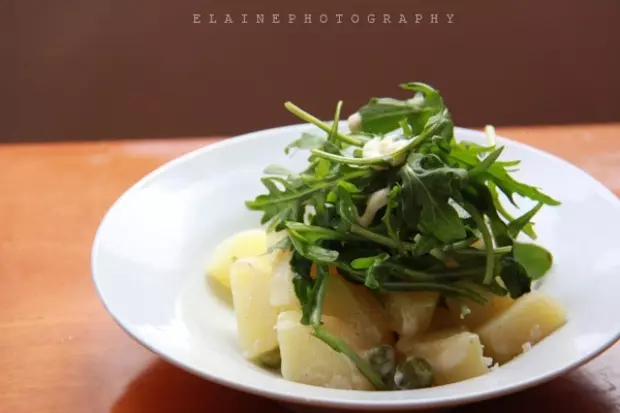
(464, 311)
(376, 201)
(355, 122)
(384, 147)
(489, 130)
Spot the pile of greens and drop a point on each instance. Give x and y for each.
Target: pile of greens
(439, 223)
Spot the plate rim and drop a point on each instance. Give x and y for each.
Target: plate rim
(325, 401)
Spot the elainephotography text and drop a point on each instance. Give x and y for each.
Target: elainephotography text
(324, 18)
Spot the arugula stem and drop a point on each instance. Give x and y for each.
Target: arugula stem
(437, 253)
(488, 242)
(466, 243)
(320, 233)
(302, 114)
(379, 239)
(337, 344)
(387, 219)
(377, 160)
(474, 251)
(352, 273)
(296, 195)
(321, 285)
(426, 276)
(437, 287)
(333, 132)
(404, 125)
(528, 229)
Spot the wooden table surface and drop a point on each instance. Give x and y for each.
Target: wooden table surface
(61, 352)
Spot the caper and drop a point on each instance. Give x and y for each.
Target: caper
(381, 358)
(271, 359)
(414, 373)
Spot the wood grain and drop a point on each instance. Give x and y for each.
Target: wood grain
(61, 352)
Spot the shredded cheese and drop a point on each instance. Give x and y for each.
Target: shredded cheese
(384, 147)
(376, 201)
(490, 132)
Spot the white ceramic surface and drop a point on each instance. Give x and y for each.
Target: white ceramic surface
(150, 252)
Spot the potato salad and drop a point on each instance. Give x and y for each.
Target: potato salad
(390, 262)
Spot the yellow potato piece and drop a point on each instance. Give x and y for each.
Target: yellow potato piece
(531, 318)
(272, 238)
(256, 318)
(454, 355)
(244, 244)
(410, 313)
(477, 314)
(308, 360)
(442, 319)
(355, 305)
(281, 291)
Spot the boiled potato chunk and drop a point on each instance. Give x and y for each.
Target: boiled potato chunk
(531, 318)
(244, 244)
(361, 311)
(281, 290)
(442, 319)
(476, 314)
(454, 355)
(306, 359)
(256, 318)
(410, 313)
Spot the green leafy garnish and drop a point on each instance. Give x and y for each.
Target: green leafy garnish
(535, 259)
(397, 204)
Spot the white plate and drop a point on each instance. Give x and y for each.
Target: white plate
(150, 252)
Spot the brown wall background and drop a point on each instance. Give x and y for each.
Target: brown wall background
(81, 70)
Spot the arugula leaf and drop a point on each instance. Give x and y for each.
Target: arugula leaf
(337, 344)
(315, 302)
(523, 223)
(442, 221)
(349, 187)
(392, 220)
(302, 283)
(535, 259)
(486, 163)
(430, 189)
(278, 170)
(431, 95)
(284, 204)
(313, 234)
(514, 276)
(383, 115)
(442, 200)
(499, 176)
(310, 251)
(283, 244)
(509, 186)
(424, 245)
(306, 141)
(372, 265)
(323, 167)
(527, 228)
